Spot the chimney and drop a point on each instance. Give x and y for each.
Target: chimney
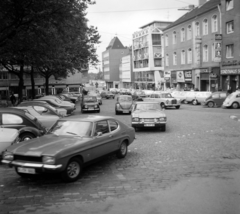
(201, 2)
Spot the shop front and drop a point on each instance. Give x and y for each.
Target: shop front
(230, 79)
(209, 79)
(182, 80)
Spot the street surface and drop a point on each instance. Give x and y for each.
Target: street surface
(192, 168)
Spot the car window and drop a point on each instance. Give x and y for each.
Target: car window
(39, 108)
(125, 99)
(167, 95)
(113, 125)
(102, 126)
(152, 95)
(223, 95)
(11, 119)
(215, 96)
(238, 95)
(147, 106)
(156, 95)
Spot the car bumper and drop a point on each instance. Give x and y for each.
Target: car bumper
(39, 167)
(95, 109)
(172, 105)
(148, 125)
(124, 111)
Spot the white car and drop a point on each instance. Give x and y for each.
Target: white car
(8, 138)
(232, 100)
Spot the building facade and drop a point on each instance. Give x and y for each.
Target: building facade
(147, 55)
(126, 77)
(230, 66)
(192, 49)
(111, 59)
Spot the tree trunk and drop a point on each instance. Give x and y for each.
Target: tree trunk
(46, 85)
(32, 82)
(20, 84)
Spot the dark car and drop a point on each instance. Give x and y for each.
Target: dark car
(216, 99)
(44, 107)
(69, 145)
(68, 97)
(29, 127)
(138, 95)
(90, 103)
(123, 104)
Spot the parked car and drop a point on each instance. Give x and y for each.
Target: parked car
(58, 104)
(44, 108)
(69, 145)
(232, 100)
(29, 127)
(99, 98)
(138, 95)
(46, 120)
(166, 100)
(109, 95)
(216, 99)
(90, 103)
(148, 115)
(8, 138)
(123, 104)
(196, 97)
(69, 98)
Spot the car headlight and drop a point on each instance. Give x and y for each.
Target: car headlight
(8, 156)
(48, 160)
(96, 106)
(135, 119)
(118, 106)
(85, 106)
(161, 119)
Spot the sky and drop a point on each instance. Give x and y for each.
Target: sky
(122, 18)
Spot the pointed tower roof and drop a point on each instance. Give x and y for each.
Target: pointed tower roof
(115, 44)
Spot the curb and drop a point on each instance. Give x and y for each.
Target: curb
(233, 117)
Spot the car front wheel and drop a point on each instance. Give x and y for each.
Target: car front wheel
(122, 152)
(163, 128)
(73, 170)
(177, 107)
(210, 104)
(235, 105)
(195, 102)
(26, 136)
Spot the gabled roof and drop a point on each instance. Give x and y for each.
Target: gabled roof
(208, 6)
(115, 44)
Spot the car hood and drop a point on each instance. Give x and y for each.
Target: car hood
(92, 103)
(148, 114)
(49, 144)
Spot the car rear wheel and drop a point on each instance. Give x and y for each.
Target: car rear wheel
(122, 152)
(116, 112)
(163, 128)
(177, 107)
(73, 170)
(195, 102)
(162, 105)
(26, 136)
(210, 104)
(235, 105)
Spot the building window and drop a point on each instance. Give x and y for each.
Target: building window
(205, 53)
(205, 27)
(174, 37)
(197, 28)
(166, 40)
(213, 52)
(229, 51)
(158, 62)
(230, 27)
(167, 60)
(182, 35)
(174, 58)
(189, 32)
(214, 24)
(183, 57)
(189, 56)
(156, 39)
(229, 5)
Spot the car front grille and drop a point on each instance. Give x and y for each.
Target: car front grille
(27, 158)
(174, 101)
(149, 120)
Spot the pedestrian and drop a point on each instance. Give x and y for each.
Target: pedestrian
(13, 99)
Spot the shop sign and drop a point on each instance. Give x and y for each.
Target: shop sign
(230, 63)
(188, 76)
(212, 75)
(180, 76)
(202, 71)
(218, 36)
(230, 71)
(167, 74)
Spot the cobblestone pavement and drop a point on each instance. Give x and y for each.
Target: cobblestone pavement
(198, 143)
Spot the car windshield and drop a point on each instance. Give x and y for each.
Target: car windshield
(147, 106)
(125, 99)
(72, 128)
(89, 99)
(167, 96)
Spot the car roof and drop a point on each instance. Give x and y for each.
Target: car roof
(124, 95)
(12, 110)
(36, 102)
(90, 118)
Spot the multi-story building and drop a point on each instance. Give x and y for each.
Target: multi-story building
(192, 48)
(126, 77)
(147, 54)
(230, 69)
(111, 59)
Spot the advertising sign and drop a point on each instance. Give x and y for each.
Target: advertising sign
(167, 74)
(230, 71)
(180, 76)
(218, 51)
(218, 37)
(188, 76)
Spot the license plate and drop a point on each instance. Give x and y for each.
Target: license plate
(26, 170)
(90, 108)
(125, 111)
(149, 125)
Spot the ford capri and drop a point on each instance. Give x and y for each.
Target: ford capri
(148, 115)
(123, 104)
(69, 145)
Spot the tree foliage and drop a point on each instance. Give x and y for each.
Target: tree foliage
(51, 36)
